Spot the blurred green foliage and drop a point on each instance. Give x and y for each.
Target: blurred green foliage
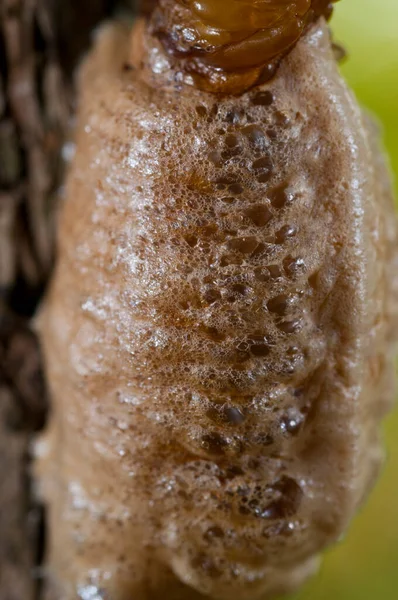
(368, 29)
(365, 565)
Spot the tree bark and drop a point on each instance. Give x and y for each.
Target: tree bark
(40, 43)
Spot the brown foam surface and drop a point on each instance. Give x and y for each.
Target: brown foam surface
(218, 334)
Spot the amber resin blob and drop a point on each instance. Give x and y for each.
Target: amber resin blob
(222, 39)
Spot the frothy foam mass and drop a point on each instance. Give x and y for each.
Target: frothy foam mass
(218, 331)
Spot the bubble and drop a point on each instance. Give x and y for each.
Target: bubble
(288, 503)
(291, 424)
(263, 169)
(213, 333)
(231, 140)
(245, 245)
(264, 439)
(294, 267)
(281, 119)
(236, 188)
(274, 271)
(255, 135)
(313, 280)
(212, 295)
(233, 471)
(191, 240)
(262, 164)
(201, 110)
(260, 350)
(281, 528)
(264, 98)
(288, 231)
(279, 304)
(264, 177)
(259, 345)
(259, 214)
(290, 326)
(233, 117)
(215, 157)
(233, 415)
(225, 180)
(213, 533)
(262, 274)
(280, 196)
(214, 443)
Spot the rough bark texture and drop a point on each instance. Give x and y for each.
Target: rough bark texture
(40, 43)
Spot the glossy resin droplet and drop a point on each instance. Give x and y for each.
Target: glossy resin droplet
(231, 35)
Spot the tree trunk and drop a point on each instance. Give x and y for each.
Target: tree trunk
(40, 44)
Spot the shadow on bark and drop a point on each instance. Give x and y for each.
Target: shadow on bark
(41, 42)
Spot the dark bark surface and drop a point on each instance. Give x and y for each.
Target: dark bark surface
(40, 43)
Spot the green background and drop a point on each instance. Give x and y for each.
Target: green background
(365, 565)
